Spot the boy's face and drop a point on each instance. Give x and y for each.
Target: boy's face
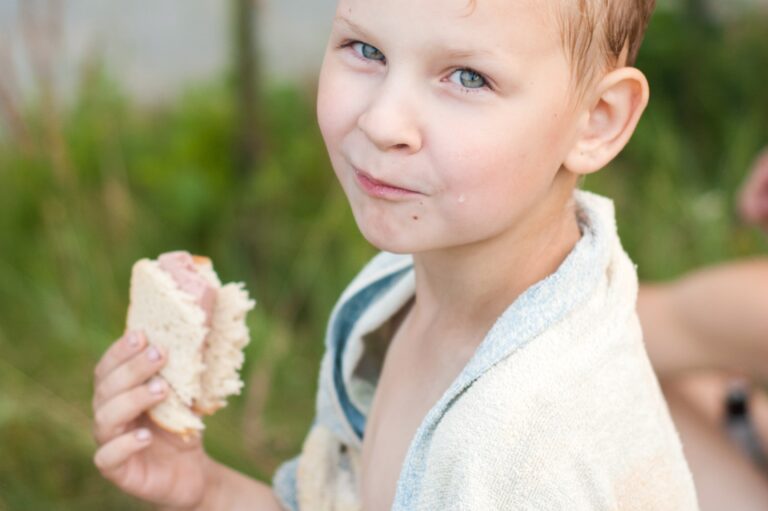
(445, 125)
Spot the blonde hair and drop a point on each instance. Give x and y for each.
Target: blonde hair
(599, 35)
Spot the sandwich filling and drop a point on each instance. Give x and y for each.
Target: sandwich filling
(182, 268)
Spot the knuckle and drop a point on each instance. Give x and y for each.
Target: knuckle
(98, 396)
(144, 399)
(99, 418)
(96, 435)
(135, 397)
(141, 368)
(135, 374)
(98, 460)
(126, 377)
(136, 370)
(97, 371)
(100, 432)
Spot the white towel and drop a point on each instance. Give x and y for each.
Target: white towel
(558, 409)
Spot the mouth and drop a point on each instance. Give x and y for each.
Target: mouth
(382, 189)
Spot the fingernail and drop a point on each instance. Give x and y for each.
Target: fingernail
(143, 435)
(132, 338)
(153, 354)
(156, 385)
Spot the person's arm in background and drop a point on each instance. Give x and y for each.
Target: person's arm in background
(717, 317)
(753, 200)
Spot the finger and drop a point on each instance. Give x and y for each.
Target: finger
(761, 163)
(754, 208)
(112, 456)
(748, 208)
(124, 348)
(113, 417)
(129, 374)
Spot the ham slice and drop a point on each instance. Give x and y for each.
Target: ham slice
(182, 268)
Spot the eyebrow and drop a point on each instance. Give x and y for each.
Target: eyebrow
(351, 25)
(451, 53)
(462, 54)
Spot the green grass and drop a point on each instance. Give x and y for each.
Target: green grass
(111, 182)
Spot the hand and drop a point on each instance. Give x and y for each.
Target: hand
(140, 458)
(753, 201)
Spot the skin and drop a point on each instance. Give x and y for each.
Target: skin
(753, 200)
(701, 330)
(489, 175)
(474, 174)
(715, 318)
(147, 462)
(724, 477)
(119, 400)
(489, 167)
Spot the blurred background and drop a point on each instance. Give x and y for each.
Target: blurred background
(132, 128)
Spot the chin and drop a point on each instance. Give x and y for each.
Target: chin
(387, 242)
(391, 232)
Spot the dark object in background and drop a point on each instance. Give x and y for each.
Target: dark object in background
(248, 143)
(739, 426)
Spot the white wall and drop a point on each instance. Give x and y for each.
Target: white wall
(153, 47)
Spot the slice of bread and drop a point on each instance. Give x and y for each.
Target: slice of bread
(223, 358)
(204, 354)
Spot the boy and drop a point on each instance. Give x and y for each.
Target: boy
(501, 365)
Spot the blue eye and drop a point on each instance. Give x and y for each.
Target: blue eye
(367, 51)
(468, 79)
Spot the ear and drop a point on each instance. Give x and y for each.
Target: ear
(622, 96)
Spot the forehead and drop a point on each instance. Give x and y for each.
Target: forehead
(496, 25)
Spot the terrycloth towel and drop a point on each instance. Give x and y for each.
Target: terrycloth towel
(559, 407)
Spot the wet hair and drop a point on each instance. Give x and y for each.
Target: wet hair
(599, 35)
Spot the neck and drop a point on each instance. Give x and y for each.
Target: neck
(465, 289)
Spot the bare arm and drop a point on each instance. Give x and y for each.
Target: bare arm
(753, 199)
(147, 462)
(715, 318)
(227, 489)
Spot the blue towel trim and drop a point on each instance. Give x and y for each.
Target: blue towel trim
(345, 321)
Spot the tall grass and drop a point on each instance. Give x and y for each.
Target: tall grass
(94, 187)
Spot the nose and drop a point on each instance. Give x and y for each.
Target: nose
(390, 121)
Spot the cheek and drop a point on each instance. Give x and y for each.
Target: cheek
(516, 150)
(481, 164)
(492, 174)
(341, 97)
(330, 116)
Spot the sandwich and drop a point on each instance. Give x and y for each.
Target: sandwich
(180, 305)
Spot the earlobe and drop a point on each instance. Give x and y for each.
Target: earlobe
(622, 96)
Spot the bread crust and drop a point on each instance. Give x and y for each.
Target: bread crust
(186, 434)
(202, 260)
(173, 419)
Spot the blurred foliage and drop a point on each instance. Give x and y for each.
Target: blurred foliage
(676, 184)
(103, 182)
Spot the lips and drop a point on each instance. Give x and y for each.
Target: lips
(381, 189)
